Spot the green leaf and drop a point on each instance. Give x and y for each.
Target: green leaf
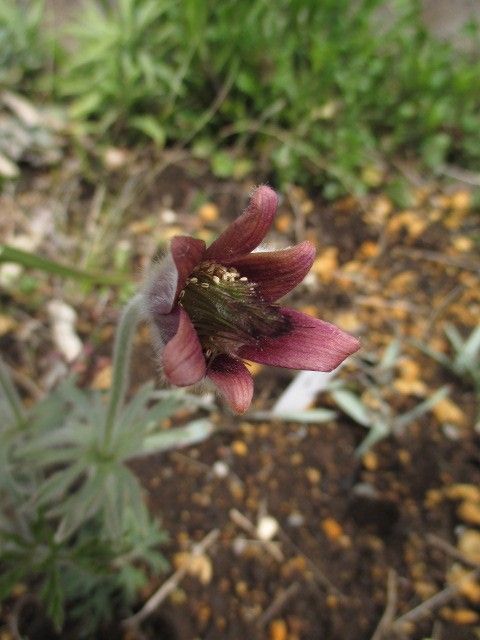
(391, 354)
(471, 348)
(151, 127)
(441, 358)
(223, 165)
(57, 484)
(378, 431)
(10, 396)
(404, 420)
(11, 577)
(52, 595)
(454, 337)
(352, 406)
(435, 148)
(86, 105)
(80, 507)
(65, 437)
(193, 433)
(313, 416)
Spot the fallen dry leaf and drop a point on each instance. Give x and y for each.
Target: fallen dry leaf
(103, 379)
(469, 544)
(348, 321)
(446, 411)
(463, 243)
(463, 491)
(469, 587)
(198, 566)
(326, 264)
(7, 324)
(402, 283)
(461, 200)
(469, 512)
(459, 616)
(368, 250)
(378, 211)
(410, 221)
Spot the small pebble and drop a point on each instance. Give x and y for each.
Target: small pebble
(220, 469)
(168, 216)
(267, 528)
(295, 519)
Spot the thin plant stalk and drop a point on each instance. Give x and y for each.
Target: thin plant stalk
(121, 361)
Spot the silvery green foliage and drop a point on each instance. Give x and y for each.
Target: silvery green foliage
(72, 514)
(465, 359)
(74, 455)
(375, 375)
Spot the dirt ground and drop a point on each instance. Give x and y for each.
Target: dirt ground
(363, 548)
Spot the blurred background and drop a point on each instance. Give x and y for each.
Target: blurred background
(341, 506)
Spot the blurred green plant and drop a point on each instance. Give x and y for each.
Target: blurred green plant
(465, 358)
(73, 523)
(23, 49)
(317, 88)
(128, 67)
(376, 375)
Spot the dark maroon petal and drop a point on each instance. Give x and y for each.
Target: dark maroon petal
(183, 361)
(187, 253)
(167, 277)
(311, 344)
(277, 272)
(233, 380)
(248, 230)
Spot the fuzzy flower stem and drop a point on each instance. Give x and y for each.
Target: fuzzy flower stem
(11, 395)
(121, 360)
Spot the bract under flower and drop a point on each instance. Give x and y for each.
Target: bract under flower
(212, 308)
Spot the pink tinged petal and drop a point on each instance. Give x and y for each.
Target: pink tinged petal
(183, 361)
(187, 253)
(167, 277)
(234, 382)
(277, 272)
(248, 230)
(310, 344)
(165, 327)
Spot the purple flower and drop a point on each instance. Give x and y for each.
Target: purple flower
(212, 308)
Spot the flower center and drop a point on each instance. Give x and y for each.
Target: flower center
(227, 311)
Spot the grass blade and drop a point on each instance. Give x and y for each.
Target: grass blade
(33, 261)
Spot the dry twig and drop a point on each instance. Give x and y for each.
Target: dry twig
(461, 174)
(450, 550)
(169, 585)
(320, 577)
(390, 608)
(435, 602)
(441, 308)
(278, 604)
